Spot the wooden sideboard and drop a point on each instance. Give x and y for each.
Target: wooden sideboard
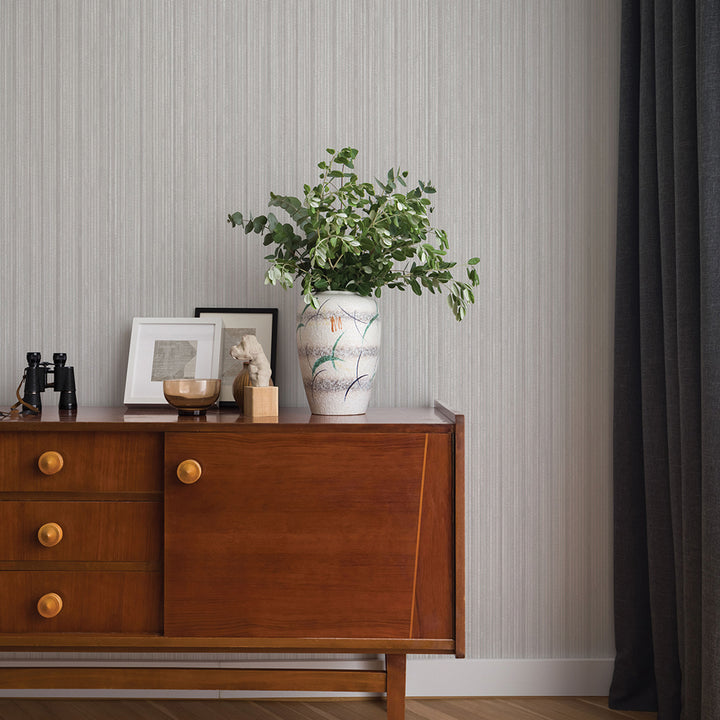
(140, 530)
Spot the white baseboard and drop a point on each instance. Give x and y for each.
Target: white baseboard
(445, 677)
(481, 678)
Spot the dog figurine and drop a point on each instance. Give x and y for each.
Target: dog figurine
(250, 350)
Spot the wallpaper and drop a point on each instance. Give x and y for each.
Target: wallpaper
(129, 130)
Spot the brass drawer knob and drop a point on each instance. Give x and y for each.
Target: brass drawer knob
(50, 605)
(189, 471)
(50, 534)
(50, 462)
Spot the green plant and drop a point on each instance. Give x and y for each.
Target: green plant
(359, 236)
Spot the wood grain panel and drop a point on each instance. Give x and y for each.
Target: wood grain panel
(396, 668)
(434, 598)
(93, 602)
(195, 678)
(458, 495)
(93, 461)
(151, 420)
(486, 708)
(92, 531)
(275, 646)
(288, 538)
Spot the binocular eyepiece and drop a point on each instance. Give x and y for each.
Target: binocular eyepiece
(37, 380)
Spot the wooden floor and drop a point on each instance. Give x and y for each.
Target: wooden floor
(448, 709)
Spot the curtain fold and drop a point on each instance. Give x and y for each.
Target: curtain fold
(667, 362)
(708, 78)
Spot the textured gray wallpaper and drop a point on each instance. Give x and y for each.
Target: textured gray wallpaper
(128, 130)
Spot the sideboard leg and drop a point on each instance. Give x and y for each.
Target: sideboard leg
(395, 667)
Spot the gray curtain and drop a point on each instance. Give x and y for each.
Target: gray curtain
(667, 362)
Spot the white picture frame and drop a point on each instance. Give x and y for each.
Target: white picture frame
(163, 348)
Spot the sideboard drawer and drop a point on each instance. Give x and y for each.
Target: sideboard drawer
(81, 531)
(81, 462)
(92, 602)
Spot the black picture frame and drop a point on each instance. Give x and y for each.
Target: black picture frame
(261, 321)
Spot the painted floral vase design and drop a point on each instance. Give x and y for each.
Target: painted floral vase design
(338, 348)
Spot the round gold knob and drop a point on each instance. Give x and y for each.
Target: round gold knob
(50, 462)
(50, 605)
(50, 534)
(189, 471)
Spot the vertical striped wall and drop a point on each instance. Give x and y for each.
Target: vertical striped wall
(128, 130)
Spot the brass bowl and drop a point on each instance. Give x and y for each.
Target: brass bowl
(191, 397)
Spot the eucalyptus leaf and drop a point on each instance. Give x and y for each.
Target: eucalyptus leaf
(359, 236)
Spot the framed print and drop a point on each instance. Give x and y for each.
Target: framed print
(168, 348)
(261, 322)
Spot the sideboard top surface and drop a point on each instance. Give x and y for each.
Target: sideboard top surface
(162, 419)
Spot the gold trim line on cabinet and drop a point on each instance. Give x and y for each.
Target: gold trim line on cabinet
(417, 540)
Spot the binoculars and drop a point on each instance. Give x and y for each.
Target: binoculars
(37, 380)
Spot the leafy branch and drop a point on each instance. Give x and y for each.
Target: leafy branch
(359, 236)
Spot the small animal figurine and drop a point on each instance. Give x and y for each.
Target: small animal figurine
(250, 350)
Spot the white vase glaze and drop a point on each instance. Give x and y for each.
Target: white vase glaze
(338, 348)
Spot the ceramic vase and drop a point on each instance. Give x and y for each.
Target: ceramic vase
(338, 348)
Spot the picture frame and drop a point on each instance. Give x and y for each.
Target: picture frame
(165, 348)
(261, 322)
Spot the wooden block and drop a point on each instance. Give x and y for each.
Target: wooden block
(260, 401)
